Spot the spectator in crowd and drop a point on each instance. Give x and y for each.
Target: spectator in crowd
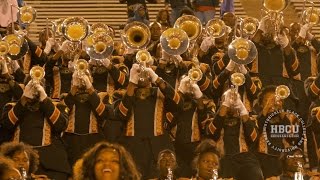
(226, 6)
(177, 6)
(139, 15)
(205, 9)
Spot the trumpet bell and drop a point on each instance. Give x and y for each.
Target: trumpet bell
(75, 29)
(242, 51)
(4, 48)
(37, 73)
(311, 16)
(237, 79)
(143, 57)
(195, 74)
(81, 65)
(99, 46)
(191, 25)
(215, 28)
(282, 92)
(136, 35)
(57, 26)
(250, 25)
(27, 14)
(174, 41)
(275, 5)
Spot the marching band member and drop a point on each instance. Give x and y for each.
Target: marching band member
(37, 121)
(142, 110)
(7, 169)
(167, 165)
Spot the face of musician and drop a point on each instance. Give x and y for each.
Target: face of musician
(167, 160)
(294, 30)
(21, 160)
(229, 19)
(207, 163)
(11, 174)
(141, 11)
(269, 99)
(163, 15)
(155, 30)
(107, 165)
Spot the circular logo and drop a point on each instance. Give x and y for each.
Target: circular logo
(284, 130)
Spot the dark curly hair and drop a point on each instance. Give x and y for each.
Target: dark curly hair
(206, 146)
(264, 91)
(84, 167)
(10, 148)
(6, 164)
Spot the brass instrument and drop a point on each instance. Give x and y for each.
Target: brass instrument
(250, 25)
(237, 79)
(37, 73)
(216, 28)
(174, 41)
(242, 51)
(100, 28)
(136, 35)
(144, 59)
(191, 25)
(4, 48)
(57, 26)
(99, 46)
(27, 14)
(299, 174)
(23, 173)
(311, 15)
(81, 68)
(195, 74)
(282, 92)
(75, 29)
(170, 174)
(214, 174)
(18, 46)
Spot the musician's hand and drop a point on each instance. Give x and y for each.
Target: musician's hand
(183, 86)
(231, 65)
(196, 91)
(71, 66)
(49, 44)
(304, 29)
(106, 62)
(152, 74)
(243, 69)
(15, 65)
(75, 80)
(268, 107)
(241, 107)
(262, 23)
(65, 45)
(207, 43)
(283, 40)
(134, 74)
(42, 92)
(87, 81)
(4, 67)
(28, 91)
(227, 98)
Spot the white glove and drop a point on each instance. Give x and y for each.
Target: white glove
(152, 74)
(243, 69)
(15, 65)
(206, 44)
(134, 74)
(4, 67)
(231, 65)
(49, 44)
(42, 92)
(227, 98)
(75, 80)
(196, 91)
(283, 40)
(183, 86)
(28, 91)
(64, 46)
(106, 62)
(241, 107)
(87, 81)
(71, 65)
(304, 29)
(262, 24)
(309, 36)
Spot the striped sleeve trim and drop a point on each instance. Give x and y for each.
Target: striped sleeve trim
(38, 51)
(314, 88)
(295, 65)
(216, 83)
(254, 135)
(101, 107)
(121, 78)
(253, 88)
(220, 64)
(205, 85)
(12, 117)
(176, 98)
(55, 115)
(169, 116)
(123, 109)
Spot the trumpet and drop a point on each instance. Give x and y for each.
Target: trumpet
(299, 174)
(99, 46)
(216, 28)
(194, 74)
(282, 92)
(23, 173)
(136, 35)
(237, 80)
(37, 73)
(27, 14)
(170, 174)
(143, 58)
(4, 48)
(81, 68)
(214, 174)
(174, 41)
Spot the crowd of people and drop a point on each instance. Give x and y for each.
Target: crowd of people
(153, 113)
